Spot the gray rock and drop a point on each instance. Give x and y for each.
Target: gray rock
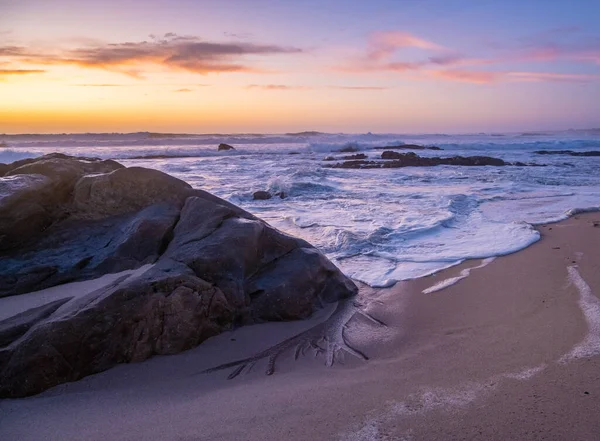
(126, 190)
(37, 193)
(261, 195)
(223, 147)
(212, 266)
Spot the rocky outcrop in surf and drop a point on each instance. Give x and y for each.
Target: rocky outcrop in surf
(189, 265)
(391, 159)
(407, 147)
(224, 147)
(568, 152)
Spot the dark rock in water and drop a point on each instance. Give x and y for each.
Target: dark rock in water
(392, 159)
(349, 149)
(412, 159)
(225, 147)
(281, 194)
(353, 157)
(392, 155)
(568, 152)
(407, 147)
(202, 265)
(346, 158)
(261, 195)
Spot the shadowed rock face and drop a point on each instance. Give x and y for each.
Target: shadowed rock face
(209, 266)
(223, 147)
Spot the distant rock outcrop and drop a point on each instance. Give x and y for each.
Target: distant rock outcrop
(223, 147)
(202, 265)
(392, 159)
(568, 152)
(407, 147)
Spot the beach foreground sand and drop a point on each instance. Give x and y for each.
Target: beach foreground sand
(509, 352)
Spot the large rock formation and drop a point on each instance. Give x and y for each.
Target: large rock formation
(202, 265)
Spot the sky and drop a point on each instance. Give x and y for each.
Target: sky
(272, 66)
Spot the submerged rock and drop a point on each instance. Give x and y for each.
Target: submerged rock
(202, 265)
(223, 147)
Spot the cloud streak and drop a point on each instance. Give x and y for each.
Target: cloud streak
(8, 73)
(275, 87)
(486, 77)
(174, 52)
(294, 87)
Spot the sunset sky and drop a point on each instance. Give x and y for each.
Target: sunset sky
(274, 65)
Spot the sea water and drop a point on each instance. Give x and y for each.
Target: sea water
(381, 225)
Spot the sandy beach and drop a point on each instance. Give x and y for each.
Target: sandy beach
(509, 352)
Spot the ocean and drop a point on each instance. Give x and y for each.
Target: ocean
(381, 225)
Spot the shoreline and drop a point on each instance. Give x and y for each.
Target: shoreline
(484, 358)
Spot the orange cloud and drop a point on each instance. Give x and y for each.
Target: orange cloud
(6, 73)
(275, 87)
(20, 71)
(286, 87)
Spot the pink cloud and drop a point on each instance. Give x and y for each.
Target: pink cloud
(549, 76)
(488, 77)
(465, 76)
(383, 44)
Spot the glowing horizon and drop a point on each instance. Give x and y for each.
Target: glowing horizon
(332, 66)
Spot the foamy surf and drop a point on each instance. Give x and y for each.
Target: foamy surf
(454, 280)
(379, 226)
(590, 307)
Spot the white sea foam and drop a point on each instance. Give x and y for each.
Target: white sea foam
(590, 306)
(379, 226)
(453, 280)
(432, 399)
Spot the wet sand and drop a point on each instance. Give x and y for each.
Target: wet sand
(508, 352)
